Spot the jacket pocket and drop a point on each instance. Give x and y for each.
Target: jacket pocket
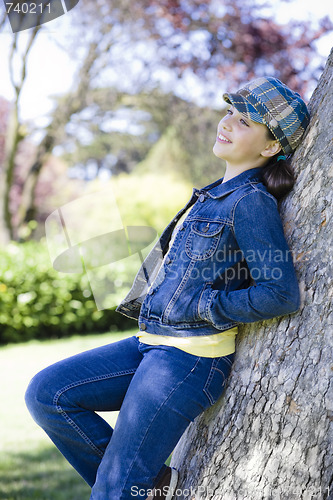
(184, 304)
(203, 239)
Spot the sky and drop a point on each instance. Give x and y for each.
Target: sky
(53, 74)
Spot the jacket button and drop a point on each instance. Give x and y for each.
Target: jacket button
(168, 260)
(142, 326)
(202, 198)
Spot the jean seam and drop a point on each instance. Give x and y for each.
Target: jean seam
(214, 367)
(155, 416)
(69, 420)
(174, 298)
(208, 381)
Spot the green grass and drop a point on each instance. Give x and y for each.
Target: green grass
(30, 466)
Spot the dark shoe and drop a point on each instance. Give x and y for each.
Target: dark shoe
(166, 487)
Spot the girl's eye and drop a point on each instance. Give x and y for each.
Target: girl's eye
(242, 121)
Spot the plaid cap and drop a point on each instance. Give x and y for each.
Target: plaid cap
(268, 101)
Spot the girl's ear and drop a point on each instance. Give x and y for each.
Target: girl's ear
(272, 148)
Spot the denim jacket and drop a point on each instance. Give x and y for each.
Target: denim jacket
(229, 263)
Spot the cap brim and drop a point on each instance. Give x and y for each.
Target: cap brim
(243, 106)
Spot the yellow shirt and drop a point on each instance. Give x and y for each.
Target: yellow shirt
(207, 346)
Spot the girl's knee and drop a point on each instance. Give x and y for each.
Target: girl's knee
(39, 397)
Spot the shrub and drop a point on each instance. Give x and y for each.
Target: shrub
(37, 301)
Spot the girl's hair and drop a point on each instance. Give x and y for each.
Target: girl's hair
(278, 176)
(268, 101)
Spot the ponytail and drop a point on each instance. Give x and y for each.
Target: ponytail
(278, 177)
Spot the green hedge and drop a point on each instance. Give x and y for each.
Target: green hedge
(38, 302)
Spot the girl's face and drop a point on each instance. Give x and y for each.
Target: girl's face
(243, 143)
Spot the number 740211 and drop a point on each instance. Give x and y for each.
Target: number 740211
(28, 8)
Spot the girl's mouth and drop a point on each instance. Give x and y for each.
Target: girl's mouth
(222, 138)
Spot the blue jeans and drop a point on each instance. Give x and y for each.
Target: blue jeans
(159, 390)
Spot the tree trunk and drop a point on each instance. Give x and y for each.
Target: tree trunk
(68, 106)
(14, 133)
(13, 140)
(271, 434)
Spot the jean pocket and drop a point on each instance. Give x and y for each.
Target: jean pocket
(218, 375)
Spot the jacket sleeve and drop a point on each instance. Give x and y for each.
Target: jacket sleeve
(259, 234)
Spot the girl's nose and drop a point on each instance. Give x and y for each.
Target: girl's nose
(225, 123)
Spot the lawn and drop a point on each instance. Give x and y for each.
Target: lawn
(30, 466)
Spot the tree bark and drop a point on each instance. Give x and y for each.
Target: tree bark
(271, 434)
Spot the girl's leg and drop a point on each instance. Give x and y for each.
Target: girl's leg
(63, 399)
(169, 389)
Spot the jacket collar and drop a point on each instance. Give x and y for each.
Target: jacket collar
(218, 189)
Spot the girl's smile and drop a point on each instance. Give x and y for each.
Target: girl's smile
(222, 138)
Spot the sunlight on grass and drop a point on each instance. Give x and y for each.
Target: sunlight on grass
(30, 466)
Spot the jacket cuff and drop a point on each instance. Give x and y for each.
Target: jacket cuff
(205, 302)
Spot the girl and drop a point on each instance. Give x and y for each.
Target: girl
(227, 262)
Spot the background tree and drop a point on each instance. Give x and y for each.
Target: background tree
(131, 44)
(163, 133)
(15, 132)
(92, 63)
(236, 41)
(271, 434)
